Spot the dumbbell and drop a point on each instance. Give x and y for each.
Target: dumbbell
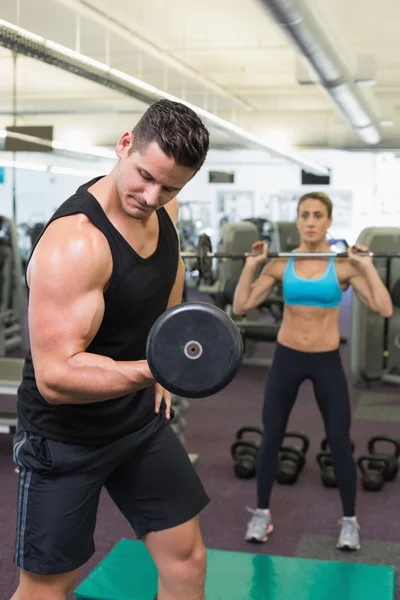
(194, 350)
(392, 466)
(373, 477)
(291, 460)
(325, 461)
(244, 453)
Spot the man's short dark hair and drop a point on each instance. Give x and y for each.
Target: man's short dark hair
(178, 131)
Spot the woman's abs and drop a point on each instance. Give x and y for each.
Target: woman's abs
(310, 329)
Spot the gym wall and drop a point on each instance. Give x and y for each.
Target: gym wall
(38, 193)
(353, 172)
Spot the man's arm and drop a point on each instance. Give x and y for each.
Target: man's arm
(67, 275)
(176, 294)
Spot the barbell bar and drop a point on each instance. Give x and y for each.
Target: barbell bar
(205, 255)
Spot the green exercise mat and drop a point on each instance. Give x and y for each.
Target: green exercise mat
(128, 573)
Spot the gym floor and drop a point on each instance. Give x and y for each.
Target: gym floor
(305, 514)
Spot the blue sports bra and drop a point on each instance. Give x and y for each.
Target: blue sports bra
(324, 291)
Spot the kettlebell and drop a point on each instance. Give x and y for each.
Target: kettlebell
(291, 460)
(325, 461)
(244, 453)
(393, 465)
(328, 477)
(373, 477)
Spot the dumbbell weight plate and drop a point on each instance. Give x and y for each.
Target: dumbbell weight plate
(194, 350)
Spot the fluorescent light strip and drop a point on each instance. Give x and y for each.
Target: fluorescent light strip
(112, 25)
(76, 55)
(29, 166)
(151, 94)
(89, 151)
(24, 32)
(70, 171)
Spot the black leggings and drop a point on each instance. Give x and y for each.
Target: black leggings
(289, 369)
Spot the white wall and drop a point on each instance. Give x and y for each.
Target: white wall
(351, 172)
(38, 194)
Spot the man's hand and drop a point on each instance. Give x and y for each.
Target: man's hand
(160, 394)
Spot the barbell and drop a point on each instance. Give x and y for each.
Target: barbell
(204, 255)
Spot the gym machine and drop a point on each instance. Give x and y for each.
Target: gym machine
(10, 379)
(12, 296)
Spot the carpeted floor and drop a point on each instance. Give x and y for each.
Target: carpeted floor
(305, 515)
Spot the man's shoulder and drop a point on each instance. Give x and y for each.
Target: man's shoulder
(75, 234)
(172, 209)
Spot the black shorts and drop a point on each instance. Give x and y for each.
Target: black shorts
(148, 474)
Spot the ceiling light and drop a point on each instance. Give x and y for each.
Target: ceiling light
(369, 135)
(94, 151)
(22, 42)
(70, 171)
(89, 150)
(28, 166)
(366, 82)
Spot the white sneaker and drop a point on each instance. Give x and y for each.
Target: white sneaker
(259, 526)
(349, 537)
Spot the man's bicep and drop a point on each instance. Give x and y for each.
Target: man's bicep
(62, 320)
(176, 294)
(66, 303)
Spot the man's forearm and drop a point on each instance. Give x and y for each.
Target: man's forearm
(87, 378)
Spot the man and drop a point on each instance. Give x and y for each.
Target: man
(90, 413)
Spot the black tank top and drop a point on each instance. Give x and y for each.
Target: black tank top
(137, 294)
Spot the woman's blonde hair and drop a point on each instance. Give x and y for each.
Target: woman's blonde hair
(324, 198)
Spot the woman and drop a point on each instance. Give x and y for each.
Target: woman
(308, 348)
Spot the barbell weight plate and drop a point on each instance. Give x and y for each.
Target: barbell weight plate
(194, 350)
(205, 262)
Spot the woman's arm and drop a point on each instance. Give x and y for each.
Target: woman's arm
(249, 295)
(367, 284)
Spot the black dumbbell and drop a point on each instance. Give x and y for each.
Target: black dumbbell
(325, 461)
(372, 477)
(291, 460)
(244, 453)
(393, 465)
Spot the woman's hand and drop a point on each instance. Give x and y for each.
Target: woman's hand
(261, 249)
(361, 262)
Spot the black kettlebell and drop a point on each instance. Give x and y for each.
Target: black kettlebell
(325, 445)
(393, 465)
(373, 477)
(291, 460)
(325, 461)
(328, 477)
(244, 453)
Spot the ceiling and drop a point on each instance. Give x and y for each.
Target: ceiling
(227, 57)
